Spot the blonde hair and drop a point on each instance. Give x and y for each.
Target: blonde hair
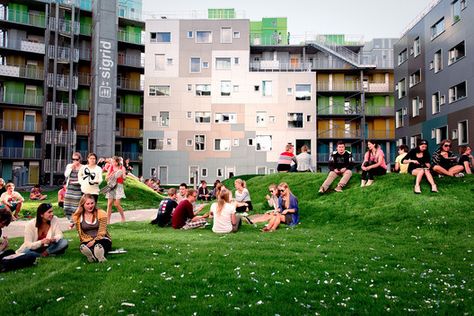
(80, 208)
(288, 147)
(241, 182)
(286, 201)
(223, 198)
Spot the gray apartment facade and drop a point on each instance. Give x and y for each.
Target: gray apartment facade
(434, 72)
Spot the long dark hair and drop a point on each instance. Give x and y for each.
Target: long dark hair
(42, 208)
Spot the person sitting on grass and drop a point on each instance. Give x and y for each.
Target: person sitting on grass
(373, 164)
(165, 209)
(242, 199)
(286, 159)
(43, 236)
(223, 213)
(444, 161)
(340, 164)
(399, 166)
(418, 160)
(91, 224)
(36, 194)
(272, 199)
(465, 158)
(184, 217)
(12, 200)
(288, 207)
(203, 192)
(61, 196)
(214, 188)
(182, 192)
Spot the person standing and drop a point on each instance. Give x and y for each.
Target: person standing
(303, 160)
(340, 165)
(115, 174)
(73, 187)
(90, 176)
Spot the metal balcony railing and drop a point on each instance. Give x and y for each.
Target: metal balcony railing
(62, 81)
(338, 86)
(134, 156)
(22, 45)
(129, 60)
(82, 104)
(128, 37)
(381, 134)
(379, 111)
(22, 17)
(127, 84)
(82, 130)
(129, 108)
(59, 165)
(85, 54)
(64, 26)
(339, 109)
(63, 54)
(21, 99)
(379, 87)
(85, 78)
(63, 110)
(20, 153)
(129, 132)
(339, 133)
(82, 4)
(276, 65)
(20, 126)
(326, 43)
(60, 137)
(29, 72)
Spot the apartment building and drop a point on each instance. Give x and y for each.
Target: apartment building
(434, 75)
(70, 75)
(222, 101)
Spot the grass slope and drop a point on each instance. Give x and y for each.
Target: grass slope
(375, 250)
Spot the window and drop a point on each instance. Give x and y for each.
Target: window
(261, 169)
(190, 87)
(153, 172)
(256, 88)
(199, 142)
(415, 78)
(457, 6)
(435, 103)
(289, 91)
(249, 141)
(155, 144)
(222, 144)
(236, 88)
(236, 60)
(266, 88)
(457, 92)
(153, 118)
(416, 105)
(272, 119)
(159, 62)
(438, 61)
(169, 61)
(189, 142)
(219, 172)
(160, 37)
(303, 92)
(402, 56)
(416, 47)
(226, 88)
(463, 133)
(189, 114)
(203, 37)
(204, 172)
(226, 35)
(414, 140)
(261, 118)
(223, 63)
(203, 89)
(441, 133)
(263, 142)
(164, 119)
(225, 118)
(308, 118)
(235, 142)
(158, 90)
(195, 64)
(205, 64)
(402, 88)
(295, 120)
(456, 53)
(437, 28)
(189, 34)
(202, 117)
(236, 34)
(399, 119)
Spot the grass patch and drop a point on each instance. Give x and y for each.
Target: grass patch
(375, 250)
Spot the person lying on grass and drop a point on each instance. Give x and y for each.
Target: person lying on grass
(288, 204)
(43, 236)
(91, 224)
(36, 194)
(223, 213)
(184, 217)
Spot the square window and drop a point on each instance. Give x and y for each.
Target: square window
(190, 34)
(303, 92)
(203, 37)
(289, 91)
(236, 34)
(236, 60)
(189, 142)
(236, 88)
(205, 64)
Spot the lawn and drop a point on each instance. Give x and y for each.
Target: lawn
(375, 250)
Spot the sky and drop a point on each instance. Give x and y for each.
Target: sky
(369, 18)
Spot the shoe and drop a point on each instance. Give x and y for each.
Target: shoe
(417, 189)
(363, 183)
(321, 190)
(440, 176)
(247, 220)
(99, 253)
(434, 189)
(369, 183)
(88, 253)
(459, 175)
(338, 189)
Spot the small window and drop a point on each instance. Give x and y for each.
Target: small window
(226, 35)
(261, 118)
(456, 53)
(289, 91)
(190, 34)
(415, 78)
(158, 90)
(308, 118)
(457, 7)
(402, 56)
(261, 169)
(205, 64)
(236, 88)
(203, 37)
(435, 103)
(236, 60)
(219, 172)
(235, 142)
(202, 117)
(226, 88)
(438, 61)
(441, 133)
(457, 92)
(437, 28)
(416, 105)
(195, 64)
(272, 119)
(463, 132)
(169, 61)
(159, 62)
(416, 47)
(402, 88)
(168, 141)
(295, 120)
(454, 134)
(199, 142)
(266, 88)
(222, 144)
(236, 34)
(399, 119)
(249, 141)
(160, 37)
(190, 87)
(189, 115)
(204, 172)
(256, 88)
(189, 142)
(155, 144)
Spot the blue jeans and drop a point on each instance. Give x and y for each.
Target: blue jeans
(56, 248)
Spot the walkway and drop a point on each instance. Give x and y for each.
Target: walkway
(17, 228)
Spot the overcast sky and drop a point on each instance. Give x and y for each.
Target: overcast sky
(370, 18)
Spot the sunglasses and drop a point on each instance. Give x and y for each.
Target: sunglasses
(447, 145)
(75, 159)
(48, 206)
(282, 190)
(271, 191)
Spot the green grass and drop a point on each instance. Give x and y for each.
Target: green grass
(375, 250)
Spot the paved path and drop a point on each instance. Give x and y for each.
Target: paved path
(17, 228)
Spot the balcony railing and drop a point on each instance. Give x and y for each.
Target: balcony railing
(129, 108)
(324, 158)
(83, 4)
(22, 99)
(134, 156)
(85, 78)
(132, 61)
(128, 37)
(381, 134)
(129, 132)
(339, 133)
(29, 72)
(82, 129)
(338, 86)
(63, 54)
(22, 45)
(64, 26)
(379, 111)
(82, 104)
(22, 17)
(60, 137)
(61, 109)
(379, 87)
(62, 81)
(85, 54)
(59, 165)
(275, 65)
(20, 153)
(21, 126)
(127, 84)
(339, 109)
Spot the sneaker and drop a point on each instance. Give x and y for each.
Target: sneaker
(338, 189)
(247, 220)
(88, 253)
(321, 190)
(459, 175)
(99, 253)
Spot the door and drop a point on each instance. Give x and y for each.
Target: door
(33, 173)
(163, 174)
(30, 122)
(230, 172)
(193, 175)
(29, 147)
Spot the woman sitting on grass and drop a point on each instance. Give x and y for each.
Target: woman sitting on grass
(418, 160)
(91, 224)
(272, 200)
(242, 197)
(444, 161)
(288, 206)
(43, 236)
(465, 158)
(373, 164)
(223, 212)
(36, 194)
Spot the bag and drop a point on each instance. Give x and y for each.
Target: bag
(111, 184)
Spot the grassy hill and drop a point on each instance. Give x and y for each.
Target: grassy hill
(374, 250)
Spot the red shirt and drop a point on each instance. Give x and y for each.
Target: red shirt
(181, 214)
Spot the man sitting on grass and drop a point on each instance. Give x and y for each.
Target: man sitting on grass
(36, 193)
(184, 217)
(166, 208)
(340, 164)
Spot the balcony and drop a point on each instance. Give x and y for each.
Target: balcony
(133, 156)
(130, 60)
(85, 54)
(129, 132)
(127, 84)
(375, 87)
(20, 126)
(28, 72)
(22, 17)
(339, 133)
(350, 86)
(324, 158)
(85, 79)
(339, 109)
(381, 134)
(128, 37)
(22, 99)
(82, 130)
(59, 165)
(62, 81)
(379, 111)
(129, 108)
(276, 65)
(60, 137)
(82, 104)
(20, 153)
(85, 29)
(63, 54)
(22, 45)
(64, 26)
(62, 110)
